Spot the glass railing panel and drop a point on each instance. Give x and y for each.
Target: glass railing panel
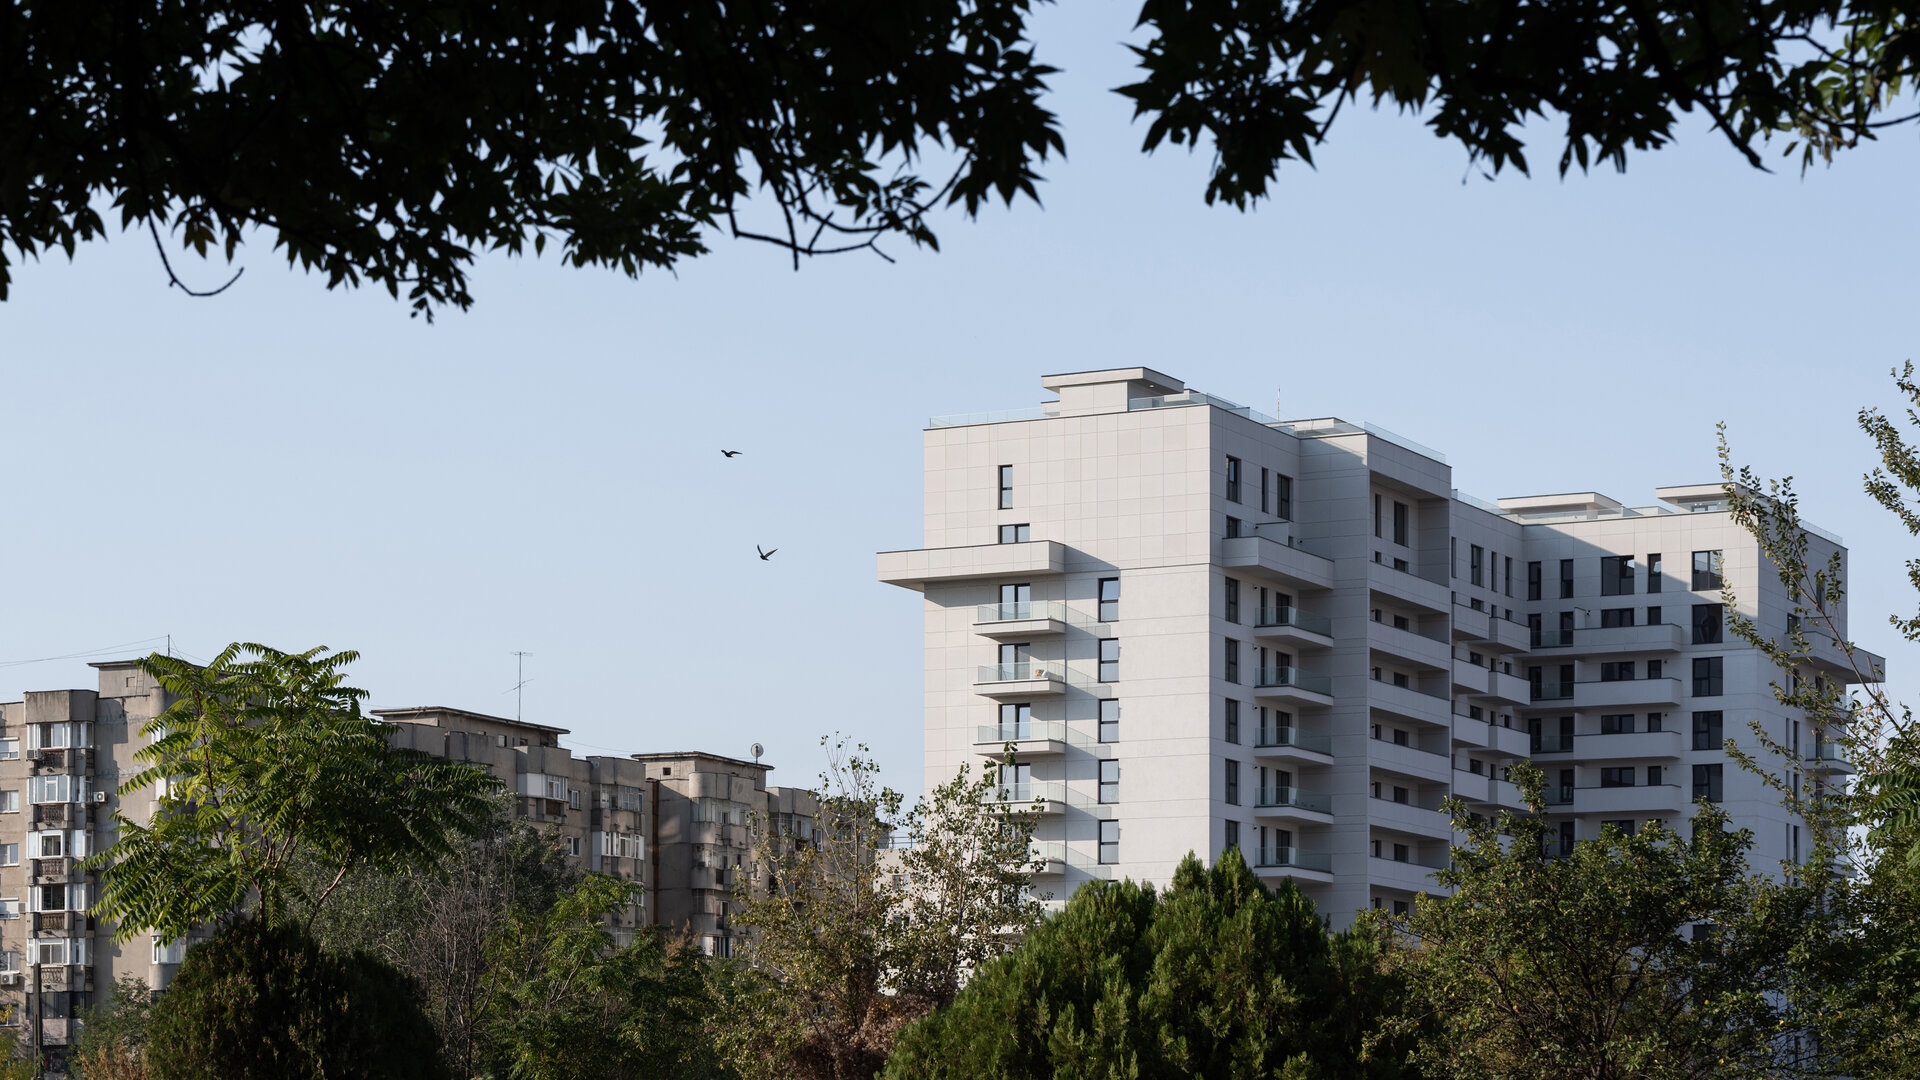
(1287, 676)
(1033, 729)
(1051, 790)
(1292, 616)
(1018, 672)
(1020, 612)
(1287, 736)
(1294, 857)
(1273, 797)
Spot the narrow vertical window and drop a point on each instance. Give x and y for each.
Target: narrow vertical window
(1507, 574)
(1109, 843)
(1233, 835)
(1233, 660)
(1109, 720)
(1006, 487)
(1533, 581)
(1233, 782)
(1109, 659)
(1283, 497)
(1475, 556)
(1233, 721)
(1233, 600)
(1233, 479)
(1653, 572)
(1233, 527)
(1376, 515)
(1265, 502)
(1400, 523)
(1566, 578)
(1109, 599)
(1109, 781)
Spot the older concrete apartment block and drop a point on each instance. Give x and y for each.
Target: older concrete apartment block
(1201, 627)
(677, 824)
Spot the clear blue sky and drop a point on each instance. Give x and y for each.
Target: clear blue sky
(303, 467)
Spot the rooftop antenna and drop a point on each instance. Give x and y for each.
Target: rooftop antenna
(519, 681)
(757, 750)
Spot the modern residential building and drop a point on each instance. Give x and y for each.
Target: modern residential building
(674, 823)
(1201, 627)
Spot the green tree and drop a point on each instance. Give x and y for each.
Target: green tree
(851, 936)
(1218, 977)
(112, 1040)
(265, 760)
(1853, 984)
(263, 1002)
(1644, 956)
(574, 1005)
(388, 143)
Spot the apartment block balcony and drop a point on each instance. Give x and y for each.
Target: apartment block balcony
(1471, 786)
(1408, 876)
(1027, 678)
(1486, 684)
(1278, 554)
(1410, 702)
(1038, 618)
(1470, 624)
(1606, 640)
(915, 569)
(1598, 694)
(1051, 855)
(55, 871)
(1410, 818)
(1038, 797)
(59, 814)
(1293, 862)
(46, 921)
(1485, 735)
(1291, 744)
(1627, 746)
(1660, 799)
(1432, 653)
(1827, 759)
(1037, 738)
(1409, 760)
(1292, 804)
(1429, 590)
(1292, 684)
(1290, 624)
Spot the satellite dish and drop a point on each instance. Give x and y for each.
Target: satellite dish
(757, 751)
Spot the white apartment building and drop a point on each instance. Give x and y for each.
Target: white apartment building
(1202, 627)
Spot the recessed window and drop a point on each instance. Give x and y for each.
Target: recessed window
(1233, 479)
(1109, 599)
(1616, 723)
(1109, 843)
(1708, 781)
(1233, 721)
(1653, 616)
(1233, 527)
(1376, 515)
(1109, 720)
(1400, 523)
(1232, 660)
(1566, 578)
(1653, 572)
(1233, 600)
(1109, 781)
(1016, 534)
(1475, 556)
(9, 854)
(1707, 623)
(1266, 503)
(1616, 617)
(1708, 730)
(9, 749)
(1109, 659)
(1507, 574)
(1617, 776)
(1006, 487)
(1283, 497)
(1707, 676)
(1232, 834)
(1706, 570)
(1233, 782)
(1533, 581)
(1616, 671)
(1616, 575)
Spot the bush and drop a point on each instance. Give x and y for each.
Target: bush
(265, 1003)
(112, 1043)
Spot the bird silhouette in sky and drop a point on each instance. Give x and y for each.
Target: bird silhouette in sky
(730, 453)
(764, 555)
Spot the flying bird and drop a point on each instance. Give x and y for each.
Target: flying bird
(730, 453)
(764, 555)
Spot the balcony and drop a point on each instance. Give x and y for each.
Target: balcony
(1290, 624)
(1665, 800)
(1409, 818)
(1293, 804)
(1626, 746)
(1507, 635)
(1039, 618)
(1434, 594)
(1828, 760)
(1037, 797)
(1051, 855)
(45, 921)
(1406, 644)
(61, 814)
(1291, 744)
(1409, 702)
(1409, 876)
(1471, 786)
(917, 569)
(1600, 695)
(1294, 863)
(1028, 678)
(1292, 684)
(1279, 556)
(53, 871)
(1607, 640)
(1038, 738)
(1469, 624)
(1550, 742)
(1409, 760)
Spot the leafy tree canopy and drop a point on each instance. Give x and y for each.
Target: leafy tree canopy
(262, 763)
(1218, 977)
(388, 143)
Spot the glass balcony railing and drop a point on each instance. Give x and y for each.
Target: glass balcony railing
(1055, 730)
(1293, 797)
(1274, 737)
(1551, 743)
(1048, 851)
(1021, 612)
(1294, 857)
(1019, 672)
(1559, 794)
(1292, 616)
(1050, 790)
(1551, 690)
(1294, 677)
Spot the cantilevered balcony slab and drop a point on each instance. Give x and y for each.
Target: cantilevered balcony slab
(1411, 588)
(916, 568)
(1295, 863)
(1276, 558)
(1292, 685)
(1626, 692)
(1610, 640)
(1022, 622)
(1408, 818)
(1026, 679)
(1662, 799)
(1629, 746)
(1405, 876)
(1291, 804)
(1039, 738)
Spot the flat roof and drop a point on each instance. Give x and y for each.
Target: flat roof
(700, 754)
(1578, 500)
(1158, 380)
(418, 710)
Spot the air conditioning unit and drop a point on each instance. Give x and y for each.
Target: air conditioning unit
(100, 796)
(36, 754)
(9, 978)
